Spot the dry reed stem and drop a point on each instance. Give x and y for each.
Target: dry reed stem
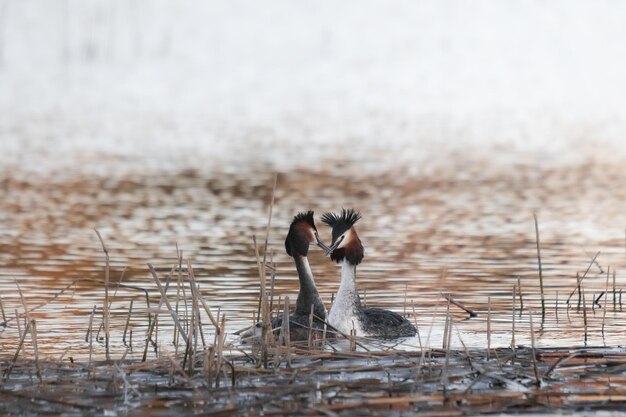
(19, 325)
(265, 323)
(89, 327)
(606, 299)
(267, 234)
(220, 351)
(448, 338)
(209, 366)
(445, 327)
(4, 317)
(614, 293)
(33, 332)
(513, 320)
(284, 331)
(543, 300)
(449, 298)
(556, 307)
(579, 280)
(166, 301)
(532, 345)
(561, 361)
(130, 312)
(105, 306)
(195, 317)
(154, 323)
(9, 369)
(417, 329)
(521, 299)
(585, 315)
(269, 220)
(488, 327)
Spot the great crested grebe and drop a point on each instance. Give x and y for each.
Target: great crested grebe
(302, 233)
(347, 313)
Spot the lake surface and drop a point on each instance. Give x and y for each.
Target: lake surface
(462, 225)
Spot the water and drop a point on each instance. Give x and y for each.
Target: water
(464, 228)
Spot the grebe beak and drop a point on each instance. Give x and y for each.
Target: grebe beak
(333, 246)
(322, 245)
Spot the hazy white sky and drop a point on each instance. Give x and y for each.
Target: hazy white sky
(232, 81)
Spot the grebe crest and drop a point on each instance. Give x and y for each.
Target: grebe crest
(302, 232)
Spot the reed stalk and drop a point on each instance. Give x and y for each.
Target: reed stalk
(4, 317)
(579, 280)
(9, 369)
(164, 299)
(585, 315)
(265, 323)
(488, 327)
(556, 307)
(543, 299)
(89, 326)
(105, 306)
(19, 325)
(614, 293)
(521, 299)
(417, 329)
(284, 332)
(130, 312)
(33, 332)
(220, 351)
(606, 299)
(513, 319)
(533, 350)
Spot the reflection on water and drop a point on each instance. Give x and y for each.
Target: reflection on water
(464, 229)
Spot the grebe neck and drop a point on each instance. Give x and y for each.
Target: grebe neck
(308, 294)
(347, 288)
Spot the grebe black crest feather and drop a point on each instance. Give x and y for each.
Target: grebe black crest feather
(306, 216)
(341, 222)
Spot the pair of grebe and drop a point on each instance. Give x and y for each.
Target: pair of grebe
(347, 313)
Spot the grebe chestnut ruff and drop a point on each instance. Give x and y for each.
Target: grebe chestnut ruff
(347, 313)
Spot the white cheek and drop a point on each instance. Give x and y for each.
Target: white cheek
(346, 239)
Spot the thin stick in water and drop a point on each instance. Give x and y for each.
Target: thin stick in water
(606, 299)
(513, 319)
(9, 369)
(585, 315)
(519, 292)
(532, 345)
(556, 307)
(614, 293)
(543, 300)
(105, 306)
(4, 317)
(130, 311)
(488, 327)
(33, 332)
(471, 313)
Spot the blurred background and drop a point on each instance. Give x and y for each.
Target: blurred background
(446, 123)
(295, 83)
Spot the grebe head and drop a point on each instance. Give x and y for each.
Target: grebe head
(346, 243)
(302, 233)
